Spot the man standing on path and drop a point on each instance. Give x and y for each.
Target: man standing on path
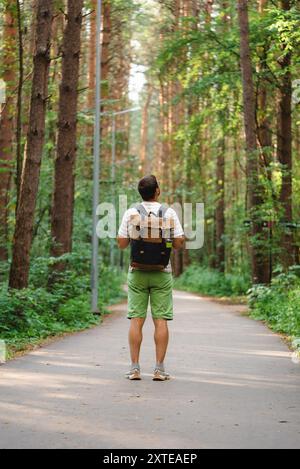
(150, 272)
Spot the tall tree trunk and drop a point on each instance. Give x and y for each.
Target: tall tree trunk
(220, 208)
(176, 118)
(91, 79)
(164, 157)
(19, 104)
(63, 197)
(285, 149)
(29, 51)
(92, 56)
(6, 121)
(220, 173)
(191, 10)
(105, 77)
(19, 273)
(264, 132)
(146, 166)
(120, 50)
(260, 265)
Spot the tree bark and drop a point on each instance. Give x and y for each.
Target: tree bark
(7, 121)
(63, 197)
(92, 57)
(91, 82)
(177, 112)
(120, 59)
(146, 166)
(29, 51)
(164, 146)
(19, 273)
(260, 269)
(19, 104)
(220, 209)
(264, 132)
(285, 150)
(106, 85)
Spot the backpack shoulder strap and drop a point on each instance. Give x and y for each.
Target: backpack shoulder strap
(163, 210)
(141, 210)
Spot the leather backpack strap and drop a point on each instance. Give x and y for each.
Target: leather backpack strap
(141, 210)
(143, 214)
(163, 210)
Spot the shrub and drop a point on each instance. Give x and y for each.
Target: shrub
(279, 304)
(211, 282)
(29, 315)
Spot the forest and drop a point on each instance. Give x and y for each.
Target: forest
(202, 93)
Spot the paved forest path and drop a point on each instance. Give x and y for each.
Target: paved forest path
(234, 386)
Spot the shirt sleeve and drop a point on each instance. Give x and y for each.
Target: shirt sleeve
(178, 230)
(123, 230)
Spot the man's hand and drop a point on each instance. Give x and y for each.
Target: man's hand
(178, 243)
(123, 243)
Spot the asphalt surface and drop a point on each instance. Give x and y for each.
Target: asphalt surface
(234, 386)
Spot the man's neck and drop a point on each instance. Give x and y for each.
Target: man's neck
(150, 201)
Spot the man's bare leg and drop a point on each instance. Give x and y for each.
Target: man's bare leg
(161, 337)
(135, 339)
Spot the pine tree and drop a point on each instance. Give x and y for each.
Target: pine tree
(7, 120)
(63, 197)
(19, 273)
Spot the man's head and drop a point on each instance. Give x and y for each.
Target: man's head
(149, 188)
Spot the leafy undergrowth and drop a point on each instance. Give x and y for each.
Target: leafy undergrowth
(279, 305)
(30, 316)
(210, 282)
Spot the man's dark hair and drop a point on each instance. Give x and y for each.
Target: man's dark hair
(147, 187)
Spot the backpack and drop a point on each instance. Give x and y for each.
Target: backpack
(150, 239)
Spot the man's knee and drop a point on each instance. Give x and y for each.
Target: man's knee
(137, 323)
(160, 323)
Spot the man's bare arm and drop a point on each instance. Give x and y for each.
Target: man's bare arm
(178, 243)
(123, 243)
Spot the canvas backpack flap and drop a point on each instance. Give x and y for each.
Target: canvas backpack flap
(135, 226)
(160, 229)
(151, 229)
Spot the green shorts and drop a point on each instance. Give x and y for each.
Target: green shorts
(156, 286)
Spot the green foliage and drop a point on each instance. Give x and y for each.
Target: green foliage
(4, 268)
(211, 282)
(30, 315)
(279, 304)
(202, 59)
